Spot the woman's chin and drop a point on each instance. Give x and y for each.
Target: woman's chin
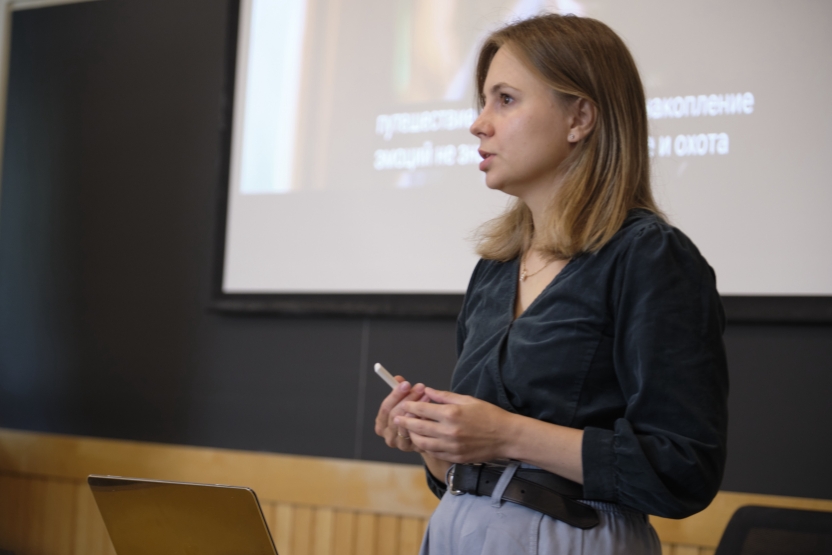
(502, 186)
(493, 183)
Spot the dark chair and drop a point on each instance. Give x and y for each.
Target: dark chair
(775, 531)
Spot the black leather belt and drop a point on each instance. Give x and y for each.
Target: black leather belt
(539, 490)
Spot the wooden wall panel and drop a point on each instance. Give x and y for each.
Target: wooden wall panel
(302, 532)
(282, 528)
(678, 549)
(34, 517)
(365, 534)
(344, 534)
(411, 535)
(91, 536)
(269, 515)
(56, 511)
(46, 507)
(338, 483)
(7, 498)
(387, 536)
(11, 513)
(323, 531)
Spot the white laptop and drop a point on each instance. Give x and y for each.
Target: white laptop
(152, 517)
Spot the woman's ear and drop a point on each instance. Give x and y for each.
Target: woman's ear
(583, 119)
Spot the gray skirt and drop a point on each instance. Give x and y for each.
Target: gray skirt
(473, 525)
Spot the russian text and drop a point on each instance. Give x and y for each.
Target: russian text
(425, 156)
(701, 144)
(701, 105)
(388, 125)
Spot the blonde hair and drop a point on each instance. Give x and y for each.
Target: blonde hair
(608, 173)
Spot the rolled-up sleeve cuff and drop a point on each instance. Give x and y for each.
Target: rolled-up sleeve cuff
(598, 454)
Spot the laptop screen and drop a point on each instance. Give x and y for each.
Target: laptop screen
(146, 517)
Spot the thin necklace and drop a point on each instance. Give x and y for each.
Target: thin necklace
(525, 274)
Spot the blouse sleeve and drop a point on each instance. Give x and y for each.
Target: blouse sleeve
(461, 329)
(438, 487)
(666, 456)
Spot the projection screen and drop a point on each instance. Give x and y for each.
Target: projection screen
(352, 169)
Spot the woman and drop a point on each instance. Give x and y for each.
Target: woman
(591, 379)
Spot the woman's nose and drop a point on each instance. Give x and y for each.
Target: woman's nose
(482, 126)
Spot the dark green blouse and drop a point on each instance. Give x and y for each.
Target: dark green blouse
(626, 344)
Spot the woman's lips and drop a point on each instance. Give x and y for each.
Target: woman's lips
(486, 159)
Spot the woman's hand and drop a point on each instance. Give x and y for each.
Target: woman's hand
(391, 408)
(462, 429)
(457, 428)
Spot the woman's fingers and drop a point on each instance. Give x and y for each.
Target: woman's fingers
(428, 436)
(390, 408)
(419, 426)
(424, 410)
(415, 441)
(403, 442)
(446, 397)
(401, 393)
(406, 440)
(395, 397)
(445, 404)
(396, 407)
(469, 429)
(431, 446)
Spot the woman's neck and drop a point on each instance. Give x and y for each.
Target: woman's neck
(538, 199)
(538, 207)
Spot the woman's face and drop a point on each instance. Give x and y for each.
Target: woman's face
(523, 130)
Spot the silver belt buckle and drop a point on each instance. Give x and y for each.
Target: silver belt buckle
(451, 481)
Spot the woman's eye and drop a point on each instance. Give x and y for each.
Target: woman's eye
(505, 99)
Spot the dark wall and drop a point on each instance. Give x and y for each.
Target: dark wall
(108, 217)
